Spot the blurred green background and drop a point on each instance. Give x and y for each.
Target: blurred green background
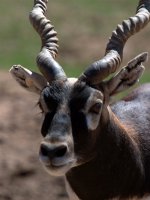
(83, 27)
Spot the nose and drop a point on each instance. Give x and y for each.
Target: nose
(52, 151)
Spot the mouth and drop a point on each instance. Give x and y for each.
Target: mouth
(57, 166)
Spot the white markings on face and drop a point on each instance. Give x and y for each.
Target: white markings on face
(93, 117)
(72, 80)
(93, 109)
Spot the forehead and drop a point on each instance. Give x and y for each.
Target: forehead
(70, 91)
(56, 91)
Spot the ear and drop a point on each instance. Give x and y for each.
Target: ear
(32, 81)
(128, 76)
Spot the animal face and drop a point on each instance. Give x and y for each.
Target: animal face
(74, 108)
(72, 113)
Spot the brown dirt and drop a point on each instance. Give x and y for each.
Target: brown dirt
(22, 176)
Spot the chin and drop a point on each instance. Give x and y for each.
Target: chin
(58, 170)
(58, 166)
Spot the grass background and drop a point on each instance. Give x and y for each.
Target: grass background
(83, 27)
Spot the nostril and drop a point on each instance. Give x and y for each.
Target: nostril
(53, 151)
(44, 150)
(60, 151)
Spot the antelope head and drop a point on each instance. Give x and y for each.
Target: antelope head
(76, 109)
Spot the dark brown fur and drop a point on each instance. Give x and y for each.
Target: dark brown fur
(121, 167)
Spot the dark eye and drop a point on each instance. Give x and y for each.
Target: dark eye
(43, 107)
(40, 106)
(96, 108)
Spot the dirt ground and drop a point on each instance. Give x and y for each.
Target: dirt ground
(22, 176)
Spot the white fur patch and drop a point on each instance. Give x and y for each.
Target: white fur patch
(91, 117)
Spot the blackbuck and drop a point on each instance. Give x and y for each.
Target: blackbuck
(102, 150)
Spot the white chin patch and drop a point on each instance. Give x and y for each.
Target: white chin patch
(58, 171)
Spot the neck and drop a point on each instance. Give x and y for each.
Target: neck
(116, 170)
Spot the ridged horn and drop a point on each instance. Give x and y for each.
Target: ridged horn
(100, 69)
(46, 58)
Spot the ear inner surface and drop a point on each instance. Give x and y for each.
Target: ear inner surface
(128, 76)
(32, 81)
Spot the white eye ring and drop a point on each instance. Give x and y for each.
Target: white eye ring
(93, 115)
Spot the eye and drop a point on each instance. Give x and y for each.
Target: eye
(40, 106)
(43, 107)
(96, 108)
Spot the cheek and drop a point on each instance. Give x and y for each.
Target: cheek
(79, 124)
(83, 138)
(79, 130)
